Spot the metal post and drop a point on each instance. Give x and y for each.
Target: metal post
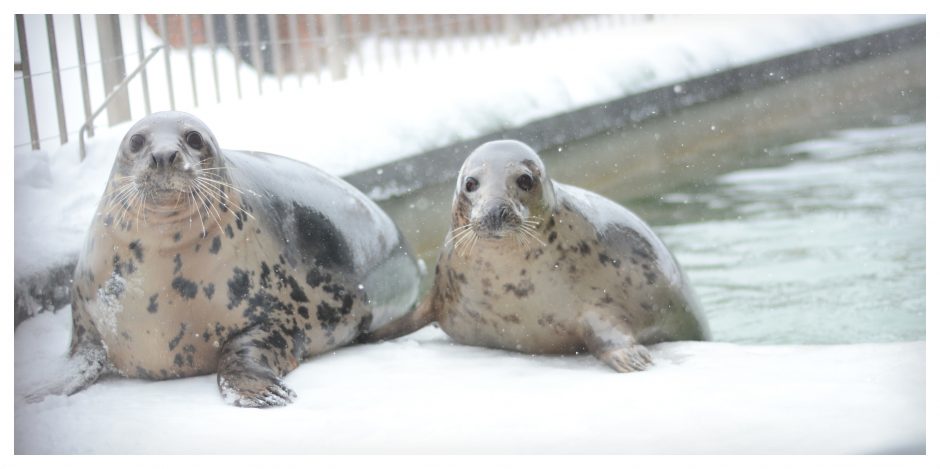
(257, 60)
(231, 33)
(479, 28)
(83, 72)
(161, 21)
(143, 73)
(353, 39)
(376, 23)
(332, 28)
(411, 26)
(27, 83)
(463, 30)
(188, 40)
(274, 42)
(56, 81)
(314, 35)
(395, 37)
(429, 32)
(208, 23)
(294, 34)
(112, 66)
(511, 28)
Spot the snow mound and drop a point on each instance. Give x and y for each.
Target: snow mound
(423, 393)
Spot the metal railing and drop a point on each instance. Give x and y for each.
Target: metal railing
(311, 48)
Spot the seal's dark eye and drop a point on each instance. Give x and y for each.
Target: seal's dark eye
(136, 142)
(471, 184)
(194, 140)
(525, 182)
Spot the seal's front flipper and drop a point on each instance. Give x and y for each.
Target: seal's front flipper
(251, 366)
(612, 342)
(87, 363)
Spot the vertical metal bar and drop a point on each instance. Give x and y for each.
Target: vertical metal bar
(188, 40)
(430, 33)
(377, 31)
(256, 58)
(27, 83)
(112, 66)
(332, 28)
(463, 29)
(208, 23)
(447, 32)
(83, 72)
(354, 40)
(274, 42)
(140, 57)
(231, 33)
(293, 32)
(314, 35)
(56, 80)
(394, 35)
(411, 26)
(479, 28)
(161, 22)
(511, 28)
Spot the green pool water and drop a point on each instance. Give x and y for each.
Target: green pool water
(824, 244)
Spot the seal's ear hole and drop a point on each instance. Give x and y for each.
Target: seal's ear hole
(525, 182)
(471, 184)
(194, 139)
(137, 142)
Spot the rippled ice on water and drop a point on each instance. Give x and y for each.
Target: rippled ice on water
(828, 248)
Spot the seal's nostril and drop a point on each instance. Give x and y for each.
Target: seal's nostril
(173, 156)
(153, 157)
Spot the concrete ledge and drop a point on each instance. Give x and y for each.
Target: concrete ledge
(418, 171)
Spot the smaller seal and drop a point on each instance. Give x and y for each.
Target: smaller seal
(540, 267)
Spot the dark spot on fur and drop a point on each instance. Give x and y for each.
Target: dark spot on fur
(317, 237)
(116, 260)
(265, 278)
(177, 263)
(238, 287)
(186, 288)
(552, 236)
(296, 292)
(303, 312)
(276, 340)
(178, 360)
(153, 306)
(584, 248)
(216, 245)
(177, 237)
(238, 223)
(315, 278)
(209, 290)
(522, 290)
(650, 278)
(176, 340)
(137, 249)
(646, 306)
(229, 232)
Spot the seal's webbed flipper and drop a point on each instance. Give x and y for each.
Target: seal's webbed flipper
(612, 342)
(251, 366)
(87, 362)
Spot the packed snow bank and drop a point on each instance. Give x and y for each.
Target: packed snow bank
(422, 393)
(368, 120)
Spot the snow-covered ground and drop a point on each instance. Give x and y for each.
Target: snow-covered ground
(424, 394)
(370, 119)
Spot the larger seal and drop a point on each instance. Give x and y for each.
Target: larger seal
(204, 260)
(540, 267)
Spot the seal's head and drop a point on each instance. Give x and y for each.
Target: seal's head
(503, 192)
(164, 154)
(168, 166)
